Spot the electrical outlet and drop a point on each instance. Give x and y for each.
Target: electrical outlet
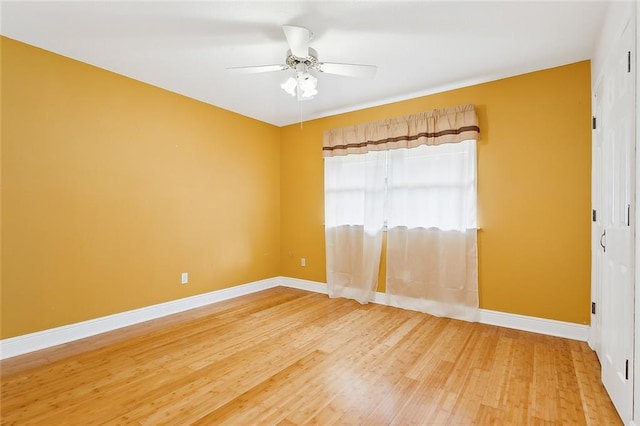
(303, 261)
(185, 277)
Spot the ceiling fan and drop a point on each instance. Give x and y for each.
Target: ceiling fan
(303, 59)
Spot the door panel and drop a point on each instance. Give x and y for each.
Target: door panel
(615, 144)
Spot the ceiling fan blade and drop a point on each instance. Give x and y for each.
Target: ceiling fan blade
(350, 70)
(298, 39)
(257, 69)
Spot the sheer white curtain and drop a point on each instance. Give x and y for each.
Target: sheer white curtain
(354, 220)
(418, 172)
(432, 236)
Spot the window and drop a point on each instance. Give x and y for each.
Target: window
(354, 189)
(427, 186)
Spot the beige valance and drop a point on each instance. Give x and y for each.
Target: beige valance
(449, 125)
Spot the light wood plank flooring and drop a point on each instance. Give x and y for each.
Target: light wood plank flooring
(289, 357)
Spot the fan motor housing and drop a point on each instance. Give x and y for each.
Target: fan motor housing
(311, 61)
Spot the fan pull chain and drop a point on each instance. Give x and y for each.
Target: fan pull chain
(300, 111)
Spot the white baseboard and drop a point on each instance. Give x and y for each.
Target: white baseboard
(56, 336)
(307, 285)
(549, 327)
(568, 330)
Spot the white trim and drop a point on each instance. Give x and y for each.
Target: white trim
(636, 353)
(549, 327)
(314, 286)
(56, 336)
(568, 330)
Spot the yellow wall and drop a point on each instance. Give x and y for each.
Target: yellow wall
(534, 171)
(111, 188)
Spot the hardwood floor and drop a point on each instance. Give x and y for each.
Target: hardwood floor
(285, 356)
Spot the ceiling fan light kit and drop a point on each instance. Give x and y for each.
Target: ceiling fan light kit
(303, 84)
(303, 59)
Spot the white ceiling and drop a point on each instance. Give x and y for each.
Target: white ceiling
(420, 47)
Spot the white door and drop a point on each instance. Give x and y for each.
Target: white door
(595, 331)
(614, 255)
